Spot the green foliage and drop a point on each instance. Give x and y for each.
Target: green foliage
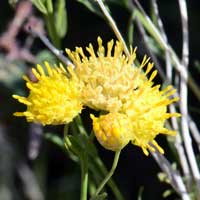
(11, 73)
(92, 6)
(80, 143)
(55, 139)
(150, 27)
(61, 18)
(49, 6)
(197, 65)
(102, 196)
(123, 3)
(167, 193)
(56, 18)
(140, 193)
(45, 55)
(40, 6)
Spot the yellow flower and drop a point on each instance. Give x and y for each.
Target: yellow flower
(54, 99)
(110, 82)
(113, 130)
(107, 76)
(147, 109)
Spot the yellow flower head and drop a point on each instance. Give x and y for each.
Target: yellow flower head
(54, 99)
(110, 82)
(107, 76)
(113, 130)
(147, 109)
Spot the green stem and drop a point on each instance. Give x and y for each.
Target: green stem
(98, 170)
(111, 172)
(80, 125)
(66, 128)
(74, 128)
(194, 86)
(84, 176)
(49, 18)
(103, 171)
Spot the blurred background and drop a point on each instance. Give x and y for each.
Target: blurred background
(33, 167)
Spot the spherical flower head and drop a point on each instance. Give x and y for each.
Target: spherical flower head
(147, 109)
(107, 76)
(113, 130)
(53, 99)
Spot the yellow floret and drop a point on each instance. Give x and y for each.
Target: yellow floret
(107, 76)
(147, 109)
(110, 82)
(113, 130)
(53, 99)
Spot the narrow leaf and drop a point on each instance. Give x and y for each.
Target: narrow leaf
(49, 6)
(92, 6)
(61, 18)
(40, 6)
(55, 139)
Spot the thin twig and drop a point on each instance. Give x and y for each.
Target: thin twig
(162, 32)
(178, 141)
(174, 176)
(184, 94)
(157, 36)
(194, 131)
(113, 26)
(110, 173)
(35, 139)
(145, 39)
(180, 149)
(184, 77)
(54, 50)
(8, 40)
(30, 185)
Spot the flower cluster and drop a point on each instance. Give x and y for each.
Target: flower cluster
(134, 109)
(107, 79)
(53, 99)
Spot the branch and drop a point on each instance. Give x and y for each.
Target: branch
(184, 94)
(113, 26)
(174, 176)
(54, 50)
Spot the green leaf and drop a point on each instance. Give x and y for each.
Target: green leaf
(197, 65)
(11, 73)
(151, 28)
(72, 145)
(55, 139)
(100, 197)
(122, 3)
(167, 193)
(75, 144)
(130, 30)
(60, 143)
(45, 55)
(92, 6)
(80, 143)
(153, 45)
(91, 149)
(40, 6)
(141, 190)
(49, 6)
(61, 18)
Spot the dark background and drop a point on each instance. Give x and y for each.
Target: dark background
(57, 175)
